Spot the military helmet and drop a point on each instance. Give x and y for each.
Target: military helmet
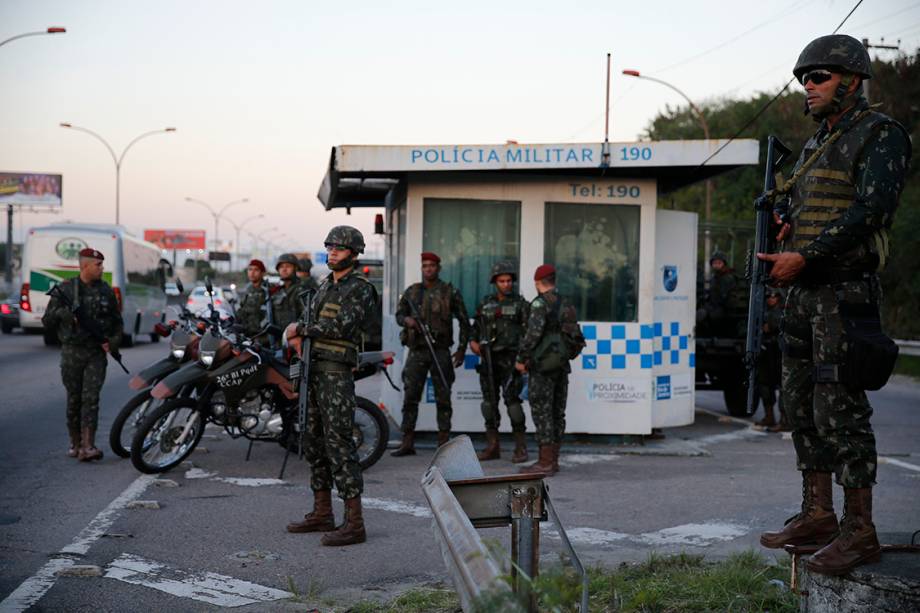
(306, 264)
(287, 258)
(347, 236)
(718, 255)
(837, 52)
(505, 267)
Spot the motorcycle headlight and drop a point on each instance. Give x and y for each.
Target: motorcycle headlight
(207, 358)
(178, 352)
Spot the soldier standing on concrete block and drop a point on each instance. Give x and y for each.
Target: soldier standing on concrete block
(434, 305)
(83, 356)
(340, 308)
(552, 338)
(497, 332)
(843, 193)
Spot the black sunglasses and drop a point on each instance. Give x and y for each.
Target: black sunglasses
(817, 76)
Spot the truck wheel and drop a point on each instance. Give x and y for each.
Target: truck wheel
(736, 400)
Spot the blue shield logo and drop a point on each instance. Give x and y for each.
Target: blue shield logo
(670, 278)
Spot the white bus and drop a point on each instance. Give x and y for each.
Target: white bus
(134, 268)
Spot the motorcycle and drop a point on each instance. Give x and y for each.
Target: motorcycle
(184, 335)
(245, 389)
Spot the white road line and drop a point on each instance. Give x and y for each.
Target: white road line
(396, 506)
(32, 589)
(894, 462)
(212, 588)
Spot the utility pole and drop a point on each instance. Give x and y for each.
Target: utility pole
(879, 45)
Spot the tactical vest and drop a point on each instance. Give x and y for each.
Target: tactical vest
(327, 305)
(504, 321)
(435, 308)
(827, 189)
(286, 304)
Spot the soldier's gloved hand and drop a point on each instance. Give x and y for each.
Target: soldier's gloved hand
(457, 358)
(474, 346)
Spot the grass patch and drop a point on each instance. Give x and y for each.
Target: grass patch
(416, 600)
(908, 365)
(689, 583)
(661, 584)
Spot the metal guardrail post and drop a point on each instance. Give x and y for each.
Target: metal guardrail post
(525, 540)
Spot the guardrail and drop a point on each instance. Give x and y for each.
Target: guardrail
(908, 347)
(463, 499)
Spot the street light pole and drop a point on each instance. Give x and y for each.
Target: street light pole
(51, 30)
(8, 255)
(702, 119)
(239, 227)
(117, 159)
(217, 214)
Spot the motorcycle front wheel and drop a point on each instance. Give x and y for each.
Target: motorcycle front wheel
(127, 421)
(371, 432)
(167, 435)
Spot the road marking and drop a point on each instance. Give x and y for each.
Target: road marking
(396, 506)
(32, 589)
(725, 437)
(576, 459)
(197, 473)
(212, 588)
(250, 482)
(894, 462)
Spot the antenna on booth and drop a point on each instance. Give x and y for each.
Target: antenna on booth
(605, 150)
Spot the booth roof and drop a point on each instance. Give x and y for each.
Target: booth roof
(363, 175)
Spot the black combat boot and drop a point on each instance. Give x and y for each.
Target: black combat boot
(321, 519)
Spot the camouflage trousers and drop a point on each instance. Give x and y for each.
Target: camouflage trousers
(548, 393)
(330, 445)
(507, 382)
(414, 375)
(83, 373)
(830, 421)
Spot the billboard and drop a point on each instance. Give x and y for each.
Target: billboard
(30, 189)
(176, 239)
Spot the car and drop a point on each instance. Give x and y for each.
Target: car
(9, 315)
(171, 289)
(199, 299)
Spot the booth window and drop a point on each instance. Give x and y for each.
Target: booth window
(595, 249)
(470, 236)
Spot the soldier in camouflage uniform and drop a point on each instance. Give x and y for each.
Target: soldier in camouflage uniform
(340, 309)
(496, 334)
(769, 367)
(843, 194)
(718, 305)
(306, 264)
(251, 311)
(439, 303)
(548, 390)
(286, 301)
(83, 357)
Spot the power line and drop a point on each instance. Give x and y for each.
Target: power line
(784, 13)
(888, 16)
(764, 108)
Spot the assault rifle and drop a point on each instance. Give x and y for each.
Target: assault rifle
(485, 350)
(758, 271)
(269, 312)
(303, 396)
(89, 325)
(429, 340)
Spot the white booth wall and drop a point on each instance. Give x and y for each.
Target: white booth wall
(629, 378)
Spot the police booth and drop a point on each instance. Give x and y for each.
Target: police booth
(591, 210)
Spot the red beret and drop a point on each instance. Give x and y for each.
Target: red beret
(431, 257)
(543, 271)
(89, 252)
(258, 264)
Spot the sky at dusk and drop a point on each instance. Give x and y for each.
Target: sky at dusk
(260, 91)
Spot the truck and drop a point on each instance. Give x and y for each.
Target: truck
(134, 269)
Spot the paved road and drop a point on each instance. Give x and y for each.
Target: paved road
(218, 539)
